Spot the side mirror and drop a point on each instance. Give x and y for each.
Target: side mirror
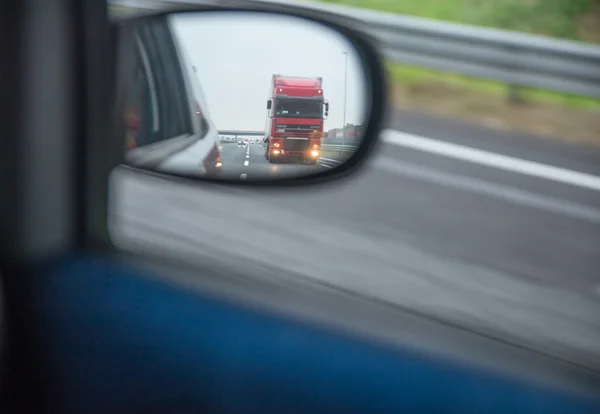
(187, 37)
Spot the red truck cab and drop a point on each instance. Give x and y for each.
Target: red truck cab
(296, 113)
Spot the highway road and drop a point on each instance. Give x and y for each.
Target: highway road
(494, 231)
(249, 162)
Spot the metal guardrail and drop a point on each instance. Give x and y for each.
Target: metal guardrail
(340, 148)
(513, 58)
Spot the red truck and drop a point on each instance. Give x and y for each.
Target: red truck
(296, 113)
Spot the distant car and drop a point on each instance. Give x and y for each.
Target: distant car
(241, 142)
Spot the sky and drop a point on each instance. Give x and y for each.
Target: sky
(235, 54)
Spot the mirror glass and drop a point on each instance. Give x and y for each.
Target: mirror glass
(240, 95)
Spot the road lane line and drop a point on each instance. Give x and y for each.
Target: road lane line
(498, 191)
(246, 163)
(325, 165)
(492, 159)
(243, 176)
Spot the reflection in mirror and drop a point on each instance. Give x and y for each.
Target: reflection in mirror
(243, 95)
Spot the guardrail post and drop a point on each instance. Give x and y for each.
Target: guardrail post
(514, 95)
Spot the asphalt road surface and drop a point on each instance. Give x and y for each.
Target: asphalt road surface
(495, 231)
(249, 162)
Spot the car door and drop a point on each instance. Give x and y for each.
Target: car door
(96, 331)
(206, 149)
(161, 132)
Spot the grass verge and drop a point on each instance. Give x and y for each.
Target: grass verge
(540, 112)
(569, 19)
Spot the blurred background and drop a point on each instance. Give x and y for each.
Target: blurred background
(482, 206)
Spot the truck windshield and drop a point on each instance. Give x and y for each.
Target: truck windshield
(298, 108)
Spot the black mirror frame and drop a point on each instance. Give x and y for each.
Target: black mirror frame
(366, 48)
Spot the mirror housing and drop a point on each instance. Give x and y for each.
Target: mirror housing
(375, 99)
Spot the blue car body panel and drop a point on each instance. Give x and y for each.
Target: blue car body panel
(117, 341)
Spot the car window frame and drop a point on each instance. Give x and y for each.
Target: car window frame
(151, 155)
(141, 92)
(169, 66)
(143, 54)
(192, 82)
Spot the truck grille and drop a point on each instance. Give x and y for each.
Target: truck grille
(296, 144)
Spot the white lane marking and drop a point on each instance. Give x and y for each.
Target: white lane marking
(330, 160)
(247, 156)
(325, 165)
(246, 163)
(243, 176)
(491, 159)
(491, 189)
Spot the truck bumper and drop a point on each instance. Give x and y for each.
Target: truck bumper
(296, 156)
